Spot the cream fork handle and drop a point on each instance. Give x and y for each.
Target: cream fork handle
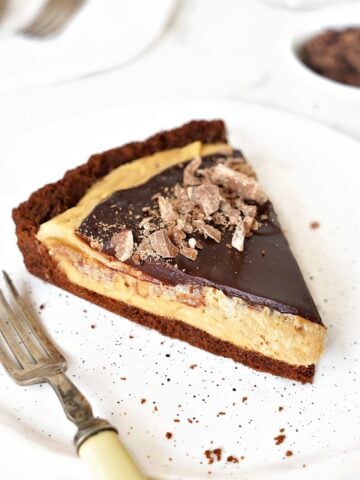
(107, 459)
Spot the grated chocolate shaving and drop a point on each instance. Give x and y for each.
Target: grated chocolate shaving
(208, 203)
(145, 249)
(123, 244)
(207, 197)
(189, 177)
(167, 211)
(248, 223)
(238, 237)
(246, 187)
(208, 230)
(188, 252)
(240, 165)
(162, 244)
(177, 235)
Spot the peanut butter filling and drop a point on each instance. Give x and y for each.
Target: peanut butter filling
(285, 337)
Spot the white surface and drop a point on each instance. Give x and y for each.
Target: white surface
(305, 168)
(102, 35)
(211, 51)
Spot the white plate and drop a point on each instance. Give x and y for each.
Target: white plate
(311, 173)
(99, 37)
(303, 29)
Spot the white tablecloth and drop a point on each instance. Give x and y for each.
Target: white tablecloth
(213, 50)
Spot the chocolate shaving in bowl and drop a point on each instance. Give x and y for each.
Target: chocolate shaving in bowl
(334, 54)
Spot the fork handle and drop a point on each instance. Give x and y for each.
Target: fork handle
(107, 459)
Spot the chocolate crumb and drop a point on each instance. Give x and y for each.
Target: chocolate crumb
(289, 453)
(218, 453)
(314, 225)
(193, 366)
(92, 326)
(42, 306)
(279, 439)
(176, 420)
(282, 430)
(122, 378)
(168, 435)
(281, 409)
(244, 399)
(213, 455)
(143, 400)
(232, 459)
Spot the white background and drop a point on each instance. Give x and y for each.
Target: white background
(210, 50)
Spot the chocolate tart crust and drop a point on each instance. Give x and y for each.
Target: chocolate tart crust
(57, 197)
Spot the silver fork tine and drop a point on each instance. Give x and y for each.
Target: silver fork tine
(46, 25)
(58, 19)
(8, 335)
(52, 18)
(35, 327)
(24, 331)
(42, 18)
(8, 364)
(54, 24)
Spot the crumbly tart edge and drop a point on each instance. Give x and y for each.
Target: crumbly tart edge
(57, 197)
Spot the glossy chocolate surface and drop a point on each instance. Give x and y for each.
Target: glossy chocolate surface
(265, 273)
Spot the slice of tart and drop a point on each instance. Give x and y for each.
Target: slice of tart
(176, 233)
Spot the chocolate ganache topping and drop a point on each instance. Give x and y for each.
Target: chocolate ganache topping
(229, 241)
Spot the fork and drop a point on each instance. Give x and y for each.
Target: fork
(52, 18)
(3, 7)
(30, 357)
